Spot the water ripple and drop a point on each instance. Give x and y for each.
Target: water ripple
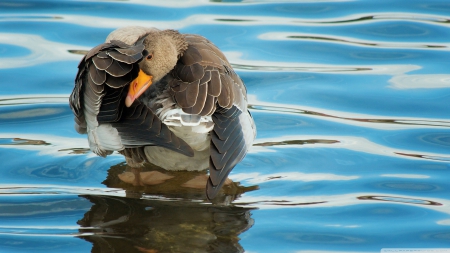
(45, 144)
(368, 18)
(34, 99)
(358, 144)
(423, 81)
(326, 201)
(24, 190)
(384, 122)
(257, 178)
(400, 200)
(42, 50)
(351, 41)
(219, 18)
(277, 66)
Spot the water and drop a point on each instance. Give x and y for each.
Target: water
(351, 101)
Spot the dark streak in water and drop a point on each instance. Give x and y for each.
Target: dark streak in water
(76, 151)
(400, 200)
(77, 51)
(296, 142)
(283, 203)
(435, 123)
(333, 69)
(233, 20)
(385, 45)
(20, 141)
(382, 17)
(364, 18)
(428, 157)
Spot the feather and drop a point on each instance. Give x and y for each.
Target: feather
(228, 146)
(215, 85)
(131, 51)
(200, 100)
(102, 63)
(118, 69)
(188, 97)
(139, 127)
(191, 56)
(210, 105)
(116, 55)
(98, 76)
(190, 73)
(119, 82)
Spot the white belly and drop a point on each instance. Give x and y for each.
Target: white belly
(193, 129)
(171, 160)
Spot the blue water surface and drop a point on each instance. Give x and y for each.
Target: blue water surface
(351, 100)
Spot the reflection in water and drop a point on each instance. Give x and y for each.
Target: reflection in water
(141, 224)
(20, 141)
(180, 185)
(116, 224)
(76, 151)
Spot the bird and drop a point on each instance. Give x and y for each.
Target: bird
(166, 98)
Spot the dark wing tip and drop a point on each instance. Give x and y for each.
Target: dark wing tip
(211, 190)
(182, 147)
(139, 126)
(229, 145)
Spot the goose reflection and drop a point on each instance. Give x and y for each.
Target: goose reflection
(150, 181)
(182, 221)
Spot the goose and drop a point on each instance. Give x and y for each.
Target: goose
(166, 98)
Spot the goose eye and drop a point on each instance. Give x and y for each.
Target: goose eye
(149, 57)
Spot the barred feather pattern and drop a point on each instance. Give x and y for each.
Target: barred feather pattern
(205, 84)
(201, 111)
(98, 104)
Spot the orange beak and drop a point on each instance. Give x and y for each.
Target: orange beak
(137, 87)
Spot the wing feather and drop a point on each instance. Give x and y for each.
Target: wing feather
(98, 104)
(200, 100)
(217, 91)
(202, 83)
(215, 85)
(102, 63)
(229, 144)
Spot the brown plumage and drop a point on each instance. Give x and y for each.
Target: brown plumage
(196, 106)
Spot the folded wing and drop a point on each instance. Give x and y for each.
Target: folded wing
(204, 83)
(98, 103)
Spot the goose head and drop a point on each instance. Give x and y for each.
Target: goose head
(163, 49)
